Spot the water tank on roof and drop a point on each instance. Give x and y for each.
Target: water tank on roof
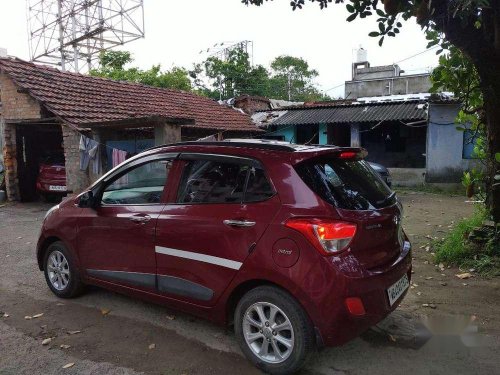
(361, 55)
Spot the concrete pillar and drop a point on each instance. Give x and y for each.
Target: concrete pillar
(355, 135)
(167, 133)
(10, 162)
(76, 180)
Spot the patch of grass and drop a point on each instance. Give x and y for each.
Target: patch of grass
(456, 250)
(432, 189)
(488, 266)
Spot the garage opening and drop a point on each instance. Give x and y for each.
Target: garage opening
(40, 162)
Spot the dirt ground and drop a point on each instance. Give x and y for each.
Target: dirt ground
(445, 325)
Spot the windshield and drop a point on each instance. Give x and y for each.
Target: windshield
(348, 184)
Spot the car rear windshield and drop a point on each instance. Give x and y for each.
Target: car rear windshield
(348, 184)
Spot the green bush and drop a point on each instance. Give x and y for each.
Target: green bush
(456, 250)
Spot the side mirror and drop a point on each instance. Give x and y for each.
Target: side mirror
(87, 200)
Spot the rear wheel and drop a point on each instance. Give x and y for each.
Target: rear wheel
(273, 330)
(61, 272)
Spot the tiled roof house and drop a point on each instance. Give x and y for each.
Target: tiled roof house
(42, 108)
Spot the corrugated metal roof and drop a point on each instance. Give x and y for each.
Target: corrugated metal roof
(369, 112)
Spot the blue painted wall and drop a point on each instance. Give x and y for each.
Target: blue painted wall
(323, 139)
(290, 133)
(287, 131)
(445, 162)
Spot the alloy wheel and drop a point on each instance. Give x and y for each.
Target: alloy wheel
(268, 332)
(58, 270)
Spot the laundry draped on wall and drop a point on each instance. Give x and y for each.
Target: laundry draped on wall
(89, 151)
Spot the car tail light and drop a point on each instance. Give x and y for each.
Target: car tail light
(328, 237)
(358, 155)
(348, 155)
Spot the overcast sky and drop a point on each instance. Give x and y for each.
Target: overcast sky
(176, 31)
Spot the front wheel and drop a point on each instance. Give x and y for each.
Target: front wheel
(61, 272)
(273, 330)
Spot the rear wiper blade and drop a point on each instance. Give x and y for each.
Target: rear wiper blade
(386, 199)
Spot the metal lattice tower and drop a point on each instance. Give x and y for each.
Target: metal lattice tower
(72, 33)
(222, 50)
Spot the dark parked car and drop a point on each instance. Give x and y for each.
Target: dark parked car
(297, 246)
(51, 179)
(383, 172)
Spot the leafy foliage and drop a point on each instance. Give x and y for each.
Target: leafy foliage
(292, 79)
(289, 78)
(112, 65)
(230, 77)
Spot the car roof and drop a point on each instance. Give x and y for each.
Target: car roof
(264, 144)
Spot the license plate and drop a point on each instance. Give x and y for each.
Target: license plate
(57, 188)
(397, 289)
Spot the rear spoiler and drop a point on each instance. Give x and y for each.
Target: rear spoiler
(345, 153)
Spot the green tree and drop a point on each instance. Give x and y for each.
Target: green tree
(472, 26)
(112, 65)
(231, 76)
(292, 79)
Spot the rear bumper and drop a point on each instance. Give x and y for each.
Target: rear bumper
(337, 325)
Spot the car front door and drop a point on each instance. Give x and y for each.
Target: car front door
(203, 238)
(116, 238)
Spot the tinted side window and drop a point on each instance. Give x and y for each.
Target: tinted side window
(205, 181)
(141, 185)
(349, 184)
(259, 188)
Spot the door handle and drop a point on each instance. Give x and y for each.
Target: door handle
(239, 223)
(140, 218)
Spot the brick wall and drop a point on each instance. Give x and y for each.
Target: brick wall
(76, 180)
(10, 162)
(15, 105)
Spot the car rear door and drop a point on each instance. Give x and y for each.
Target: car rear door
(204, 236)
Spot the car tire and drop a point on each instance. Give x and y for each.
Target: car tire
(61, 272)
(252, 334)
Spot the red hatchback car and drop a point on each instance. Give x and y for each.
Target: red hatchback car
(297, 246)
(51, 179)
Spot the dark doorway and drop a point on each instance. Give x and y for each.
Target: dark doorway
(339, 135)
(395, 145)
(308, 134)
(34, 143)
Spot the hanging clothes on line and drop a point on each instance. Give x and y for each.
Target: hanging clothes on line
(118, 157)
(89, 150)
